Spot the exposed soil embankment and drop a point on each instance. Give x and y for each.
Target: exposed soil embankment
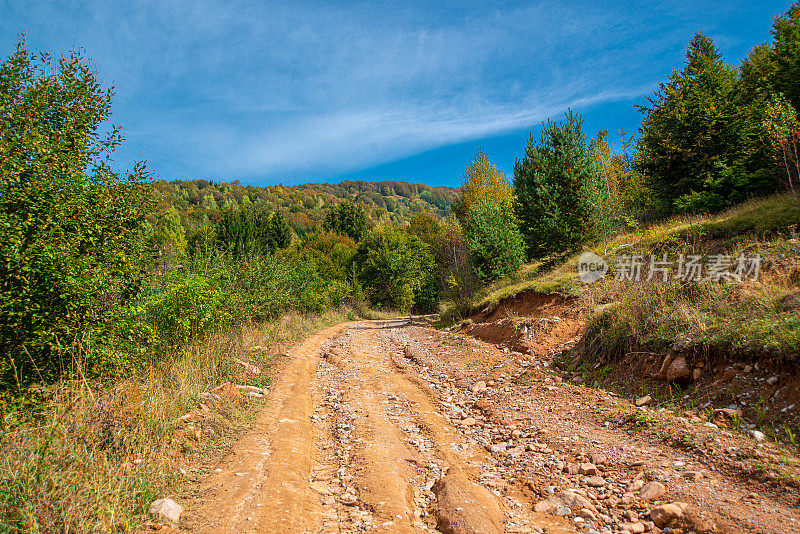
(752, 391)
(748, 390)
(530, 322)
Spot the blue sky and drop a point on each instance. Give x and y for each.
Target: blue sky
(295, 92)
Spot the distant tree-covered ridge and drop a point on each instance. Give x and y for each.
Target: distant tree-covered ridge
(305, 206)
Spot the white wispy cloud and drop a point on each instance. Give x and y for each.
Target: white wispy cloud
(270, 89)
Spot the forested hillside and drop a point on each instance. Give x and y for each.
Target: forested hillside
(305, 206)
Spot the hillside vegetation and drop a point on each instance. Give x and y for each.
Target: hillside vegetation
(201, 202)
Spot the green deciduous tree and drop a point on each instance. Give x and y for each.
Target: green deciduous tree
(554, 183)
(170, 236)
(485, 210)
(348, 219)
(397, 269)
(481, 182)
(495, 243)
(425, 225)
(782, 138)
(71, 233)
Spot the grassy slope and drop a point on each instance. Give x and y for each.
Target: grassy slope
(752, 315)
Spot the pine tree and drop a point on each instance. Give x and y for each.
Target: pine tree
(786, 47)
(693, 137)
(553, 185)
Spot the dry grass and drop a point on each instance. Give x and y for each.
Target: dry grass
(746, 223)
(94, 455)
(758, 316)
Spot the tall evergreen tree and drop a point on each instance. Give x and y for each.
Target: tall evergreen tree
(280, 231)
(554, 184)
(786, 47)
(690, 143)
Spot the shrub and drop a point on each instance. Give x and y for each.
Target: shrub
(71, 238)
(397, 269)
(495, 243)
(186, 307)
(348, 219)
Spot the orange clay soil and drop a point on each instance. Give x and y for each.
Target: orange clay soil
(383, 426)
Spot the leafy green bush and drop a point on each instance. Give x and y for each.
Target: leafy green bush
(495, 243)
(348, 219)
(397, 269)
(187, 307)
(71, 240)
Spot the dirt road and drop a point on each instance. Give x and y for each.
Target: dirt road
(386, 427)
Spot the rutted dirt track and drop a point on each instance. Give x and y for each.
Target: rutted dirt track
(386, 427)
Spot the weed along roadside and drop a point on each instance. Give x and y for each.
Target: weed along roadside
(107, 449)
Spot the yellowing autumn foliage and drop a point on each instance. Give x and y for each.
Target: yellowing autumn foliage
(482, 181)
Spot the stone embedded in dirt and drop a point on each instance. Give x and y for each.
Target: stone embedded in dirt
(665, 514)
(693, 475)
(226, 391)
(632, 528)
(516, 451)
(571, 469)
(249, 368)
(587, 469)
(479, 387)
(730, 413)
(595, 482)
(636, 485)
(567, 499)
(678, 370)
(598, 459)
(499, 447)
(652, 491)
(697, 373)
(642, 401)
(166, 509)
(757, 435)
(469, 421)
(729, 374)
(484, 406)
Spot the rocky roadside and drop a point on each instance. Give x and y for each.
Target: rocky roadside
(597, 460)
